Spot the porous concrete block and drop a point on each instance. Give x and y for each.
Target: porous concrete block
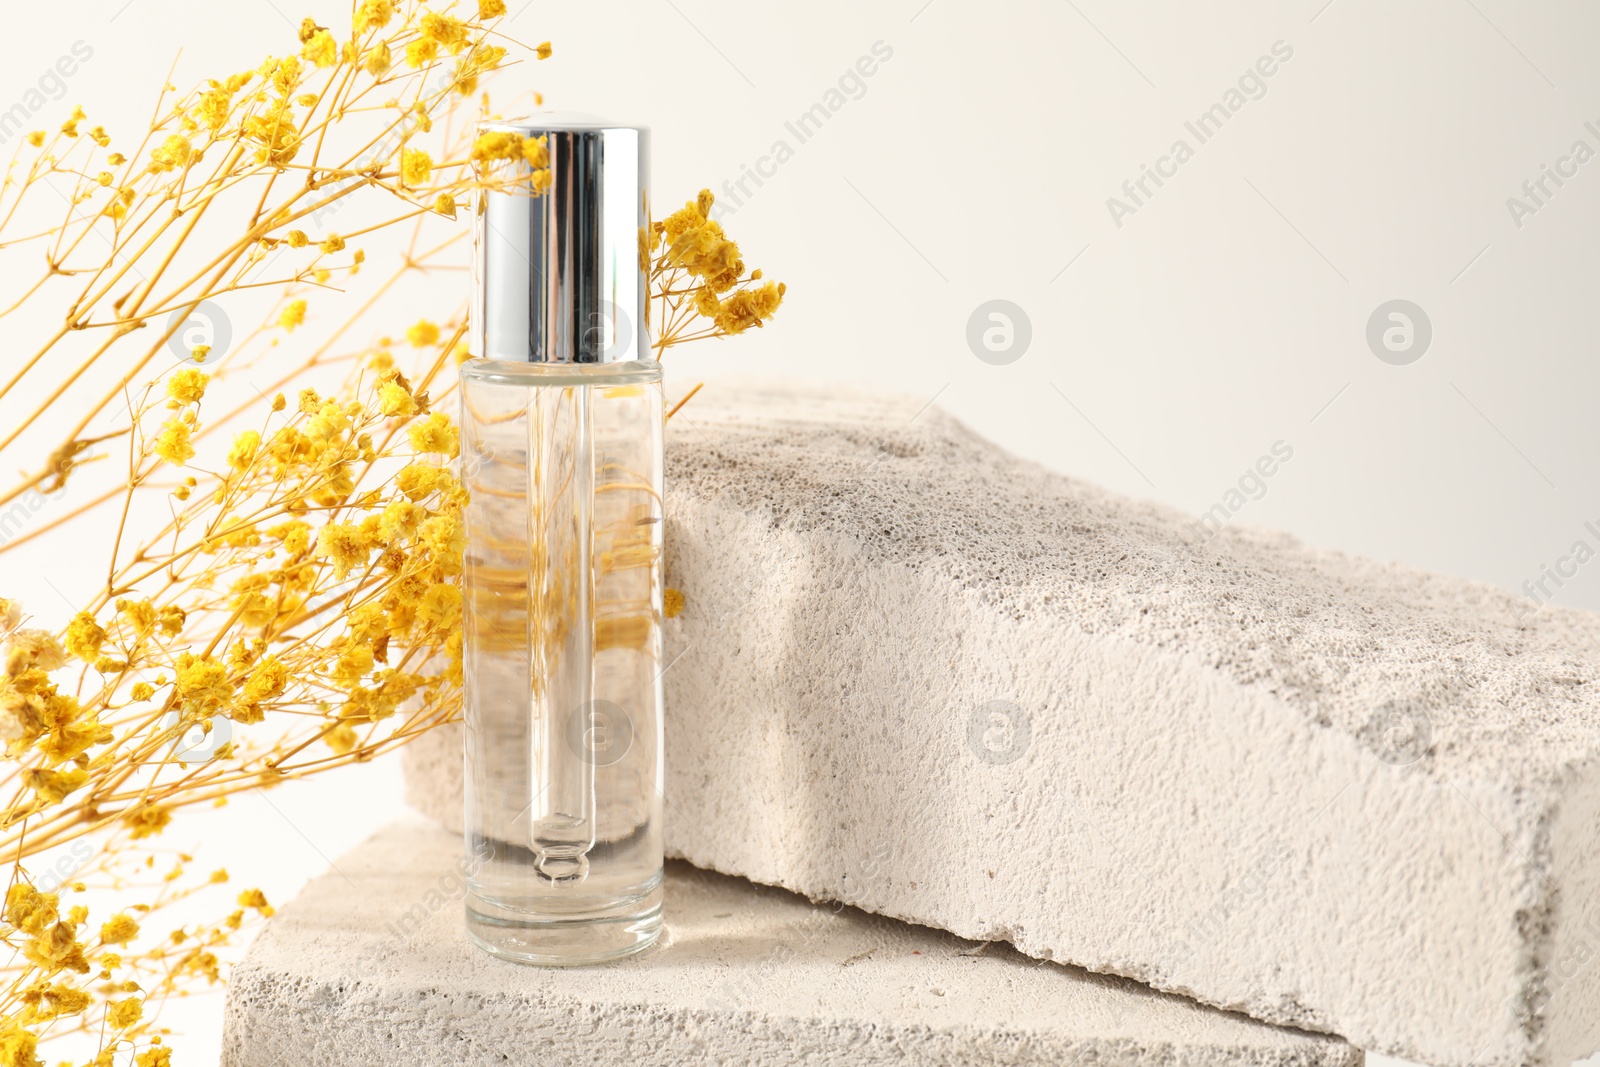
(929, 679)
(371, 966)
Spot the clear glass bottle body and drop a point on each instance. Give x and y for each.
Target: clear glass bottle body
(562, 667)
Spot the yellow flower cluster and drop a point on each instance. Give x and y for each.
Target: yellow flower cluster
(742, 310)
(58, 954)
(300, 610)
(500, 146)
(51, 941)
(37, 717)
(697, 270)
(697, 243)
(337, 508)
(283, 587)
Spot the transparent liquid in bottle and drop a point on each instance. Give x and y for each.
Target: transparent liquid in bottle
(562, 667)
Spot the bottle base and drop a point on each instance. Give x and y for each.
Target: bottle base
(576, 942)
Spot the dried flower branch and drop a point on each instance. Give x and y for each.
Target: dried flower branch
(698, 278)
(280, 577)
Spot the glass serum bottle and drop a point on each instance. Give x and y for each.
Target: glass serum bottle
(561, 452)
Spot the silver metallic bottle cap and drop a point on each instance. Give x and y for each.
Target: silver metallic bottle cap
(556, 276)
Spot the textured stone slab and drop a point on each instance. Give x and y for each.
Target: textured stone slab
(377, 970)
(934, 681)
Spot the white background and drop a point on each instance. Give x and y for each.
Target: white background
(1228, 313)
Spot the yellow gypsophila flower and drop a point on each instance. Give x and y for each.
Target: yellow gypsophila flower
(373, 14)
(496, 144)
(174, 152)
(203, 687)
(268, 679)
(749, 308)
(155, 1056)
(416, 166)
(187, 386)
(345, 545)
(422, 334)
(173, 443)
(146, 820)
(421, 52)
(434, 434)
(395, 399)
(119, 930)
(124, 1013)
(35, 649)
(84, 637)
(53, 786)
(440, 607)
(418, 481)
(444, 30)
(245, 447)
(321, 50)
(342, 739)
(255, 898)
(698, 244)
(379, 60)
(18, 1047)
